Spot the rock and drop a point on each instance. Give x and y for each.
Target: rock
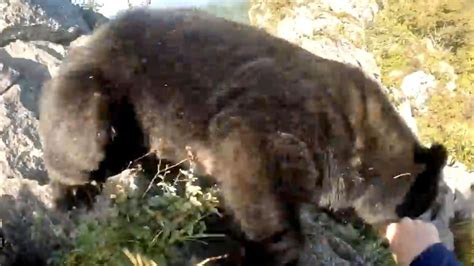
(139, 3)
(56, 21)
(442, 214)
(455, 202)
(405, 111)
(36, 61)
(8, 77)
(417, 87)
(93, 19)
(20, 147)
(31, 230)
(29, 55)
(448, 70)
(25, 66)
(333, 243)
(261, 11)
(330, 29)
(461, 183)
(81, 41)
(345, 52)
(127, 183)
(363, 10)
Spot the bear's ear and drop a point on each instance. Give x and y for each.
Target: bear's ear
(434, 158)
(424, 189)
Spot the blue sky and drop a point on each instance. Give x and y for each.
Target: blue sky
(111, 7)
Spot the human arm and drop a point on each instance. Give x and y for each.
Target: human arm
(416, 243)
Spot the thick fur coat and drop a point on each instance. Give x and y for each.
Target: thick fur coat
(273, 124)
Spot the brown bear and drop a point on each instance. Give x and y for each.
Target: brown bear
(273, 124)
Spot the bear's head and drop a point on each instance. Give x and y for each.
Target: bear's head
(387, 196)
(424, 189)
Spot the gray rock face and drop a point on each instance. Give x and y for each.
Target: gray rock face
(36, 61)
(461, 184)
(328, 241)
(455, 201)
(343, 51)
(22, 172)
(20, 148)
(405, 111)
(363, 10)
(330, 29)
(57, 21)
(32, 231)
(442, 214)
(30, 31)
(24, 67)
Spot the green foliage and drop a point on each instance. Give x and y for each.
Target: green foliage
(146, 227)
(447, 22)
(428, 35)
(371, 243)
(450, 121)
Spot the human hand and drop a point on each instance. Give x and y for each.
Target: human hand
(409, 238)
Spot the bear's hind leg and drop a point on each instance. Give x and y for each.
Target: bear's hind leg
(245, 178)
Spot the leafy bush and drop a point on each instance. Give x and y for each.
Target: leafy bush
(145, 227)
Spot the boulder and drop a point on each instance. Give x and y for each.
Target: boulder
(417, 86)
(57, 21)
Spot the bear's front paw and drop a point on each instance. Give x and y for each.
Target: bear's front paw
(282, 249)
(286, 249)
(69, 197)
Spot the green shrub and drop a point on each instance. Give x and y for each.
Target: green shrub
(147, 227)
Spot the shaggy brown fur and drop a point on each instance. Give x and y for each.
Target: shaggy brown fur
(272, 123)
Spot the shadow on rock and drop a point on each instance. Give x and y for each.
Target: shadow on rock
(31, 231)
(33, 75)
